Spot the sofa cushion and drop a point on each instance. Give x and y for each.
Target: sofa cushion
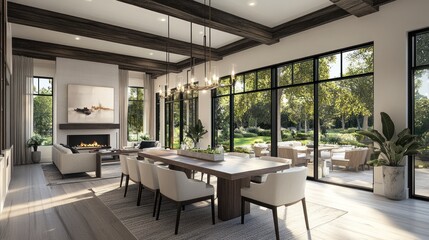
(147, 144)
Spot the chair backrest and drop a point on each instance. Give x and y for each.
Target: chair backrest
(123, 161)
(133, 169)
(286, 152)
(148, 175)
(172, 184)
(286, 187)
(276, 159)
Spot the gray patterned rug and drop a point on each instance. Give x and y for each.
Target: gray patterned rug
(196, 219)
(54, 177)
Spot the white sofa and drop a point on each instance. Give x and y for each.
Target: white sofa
(67, 162)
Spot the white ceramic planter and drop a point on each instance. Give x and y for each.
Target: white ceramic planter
(203, 156)
(394, 182)
(36, 156)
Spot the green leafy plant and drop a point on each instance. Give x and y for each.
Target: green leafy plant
(145, 137)
(392, 151)
(35, 141)
(196, 132)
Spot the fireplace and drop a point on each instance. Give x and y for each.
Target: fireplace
(94, 141)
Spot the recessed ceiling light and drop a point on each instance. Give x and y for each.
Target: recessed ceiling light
(77, 38)
(162, 19)
(252, 4)
(88, 0)
(151, 53)
(201, 32)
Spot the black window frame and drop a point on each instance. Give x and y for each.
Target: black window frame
(45, 95)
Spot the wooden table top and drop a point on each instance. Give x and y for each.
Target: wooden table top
(232, 168)
(118, 151)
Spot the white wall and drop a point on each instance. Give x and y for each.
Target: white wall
(388, 30)
(69, 71)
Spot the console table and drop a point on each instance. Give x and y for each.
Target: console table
(111, 153)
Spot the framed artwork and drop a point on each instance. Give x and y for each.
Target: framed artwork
(90, 104)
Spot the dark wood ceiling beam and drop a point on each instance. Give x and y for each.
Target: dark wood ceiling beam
(196, 12)
(35, 17)
(51, 51)
(311, 20)
(359, 8)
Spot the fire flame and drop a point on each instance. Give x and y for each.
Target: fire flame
(93, 144)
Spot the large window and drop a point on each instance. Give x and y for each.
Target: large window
(419, 76)
(135, 113)
(42, 108)
(308, 110)
(181, 111)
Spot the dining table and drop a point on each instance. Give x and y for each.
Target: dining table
(233, 173)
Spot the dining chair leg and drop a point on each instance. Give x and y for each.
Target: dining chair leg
(208, 178)
(213, 209)
(127, 180)
(179, 209)
(122, 177)
(304, 206)
(276, 223)
(139, 196)
(159, 206)
(156, 201)
(242, 210)
(202, 176)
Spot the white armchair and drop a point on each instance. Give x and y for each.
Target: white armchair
(134, 175)
(176, 186)
(149, 179)
(284, 188)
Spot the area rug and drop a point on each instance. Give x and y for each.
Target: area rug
(195, 222)
(54, 177)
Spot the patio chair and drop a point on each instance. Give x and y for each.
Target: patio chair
(352, 159)
(298, 155)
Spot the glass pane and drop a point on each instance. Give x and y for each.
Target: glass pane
(135, 119)
(226, 89)
(222, 120)
(303, 72)
(176, 125)
(285, 75)
(42, 117)
(358, 61)
(264, 79)
(421, 128)
(140, 94)
(36, 85)
(132, 93)
(45, 86)
(250, 81)
(168, 132)
(239, 84)
(344, 107)
(252, 120)
(330, 67)
(296, 125)
(422, 49)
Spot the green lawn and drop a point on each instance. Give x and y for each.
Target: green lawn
(241, 142)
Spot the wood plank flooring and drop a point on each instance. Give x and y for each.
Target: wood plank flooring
(70, 211)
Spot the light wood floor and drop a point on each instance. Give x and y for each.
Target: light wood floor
(70, 211)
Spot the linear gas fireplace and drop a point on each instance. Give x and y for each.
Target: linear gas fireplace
(94, 141)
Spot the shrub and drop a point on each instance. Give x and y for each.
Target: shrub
(238, 135)
(263, 132)
(303, 136)
(253, 130)
(241, 150)
(249, 135)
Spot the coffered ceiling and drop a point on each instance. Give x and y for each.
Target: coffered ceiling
(133, 33)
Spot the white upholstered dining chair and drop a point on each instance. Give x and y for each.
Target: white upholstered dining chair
(176, 186)
(134, 175)
(149, 179)
(124, 170)
(285, 188)
(262, 178)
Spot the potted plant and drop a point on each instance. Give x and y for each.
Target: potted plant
(35, 141)
(392, 154)
(196, 132)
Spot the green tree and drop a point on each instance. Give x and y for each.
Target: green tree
(42, 114)
(135, 113)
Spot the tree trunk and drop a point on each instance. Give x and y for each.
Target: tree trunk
(365, 123)
(343, 122)
(358, 122)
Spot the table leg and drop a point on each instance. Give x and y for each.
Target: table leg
(98, 166)
(229, 198)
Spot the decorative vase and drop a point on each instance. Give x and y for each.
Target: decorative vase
(394, 182)
(36, 156)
